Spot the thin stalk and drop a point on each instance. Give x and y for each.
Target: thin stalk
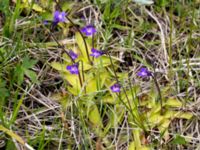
(79, 76)
(118, 80)
(60, 45)
(93, 45)
(82, 69)
(92, 41)
(130, 85)
(82, 38)
(119, 95)
(57, 3)
(63, 48)
(159, 93)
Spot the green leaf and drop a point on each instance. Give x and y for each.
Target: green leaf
(163, 3)
(102, 61)
(106, 13)
(109, 100)
(143, 61)
(173, 102)
(131, 146)
(86, 65)
(59, 66)
(37, 8)
(19, 74)
(61, 98)
(91, 86)
(115, 13)
(12, 134)
(4, 92)
(73, 79)
(163, 128)
(10, 145)
(32, 75)
(11, 17)
(82, 46)
(120, 27)
(115, 116)
(136, 134)
(16, 110)
(178, 114)
(94, 116)
(144, 2)
(23, 69)
(4, 5)
(28, 63)
(179, 140)
(67, 5)
(33, 5)
(47, 16)
(155, 119)
(95, 83)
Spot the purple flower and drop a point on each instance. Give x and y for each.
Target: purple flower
(144, 72)
(96, 53)
(73, 69)
(88, 30)
(73, 55)
(115, 88)
(45, 22)
(59, 17)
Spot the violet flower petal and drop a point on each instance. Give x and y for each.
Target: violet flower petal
(88, 30)
(116, 88)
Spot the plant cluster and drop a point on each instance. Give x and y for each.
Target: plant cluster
(113, 74)
(93, 76)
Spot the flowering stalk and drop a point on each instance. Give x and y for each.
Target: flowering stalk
(119, 95)
(144, 72)
(79, 76)
(60, 45)
(159, 93)
(63, 48)
(82, 69)
(78, 31)
(92, 41)
(82, 37)
(133, 93)
(73, 69)
(118, 81)
(92, 45)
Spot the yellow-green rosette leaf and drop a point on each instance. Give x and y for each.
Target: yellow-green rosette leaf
(94, 116)
(59, 66)
(172, 102)
(82, 46)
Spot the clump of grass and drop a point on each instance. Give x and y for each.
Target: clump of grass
(61, 89)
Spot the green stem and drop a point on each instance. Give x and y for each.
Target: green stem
(82, 69)
(119, 95)
(63, 48)
(57, 3)
(159, 93)
(82, 38)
